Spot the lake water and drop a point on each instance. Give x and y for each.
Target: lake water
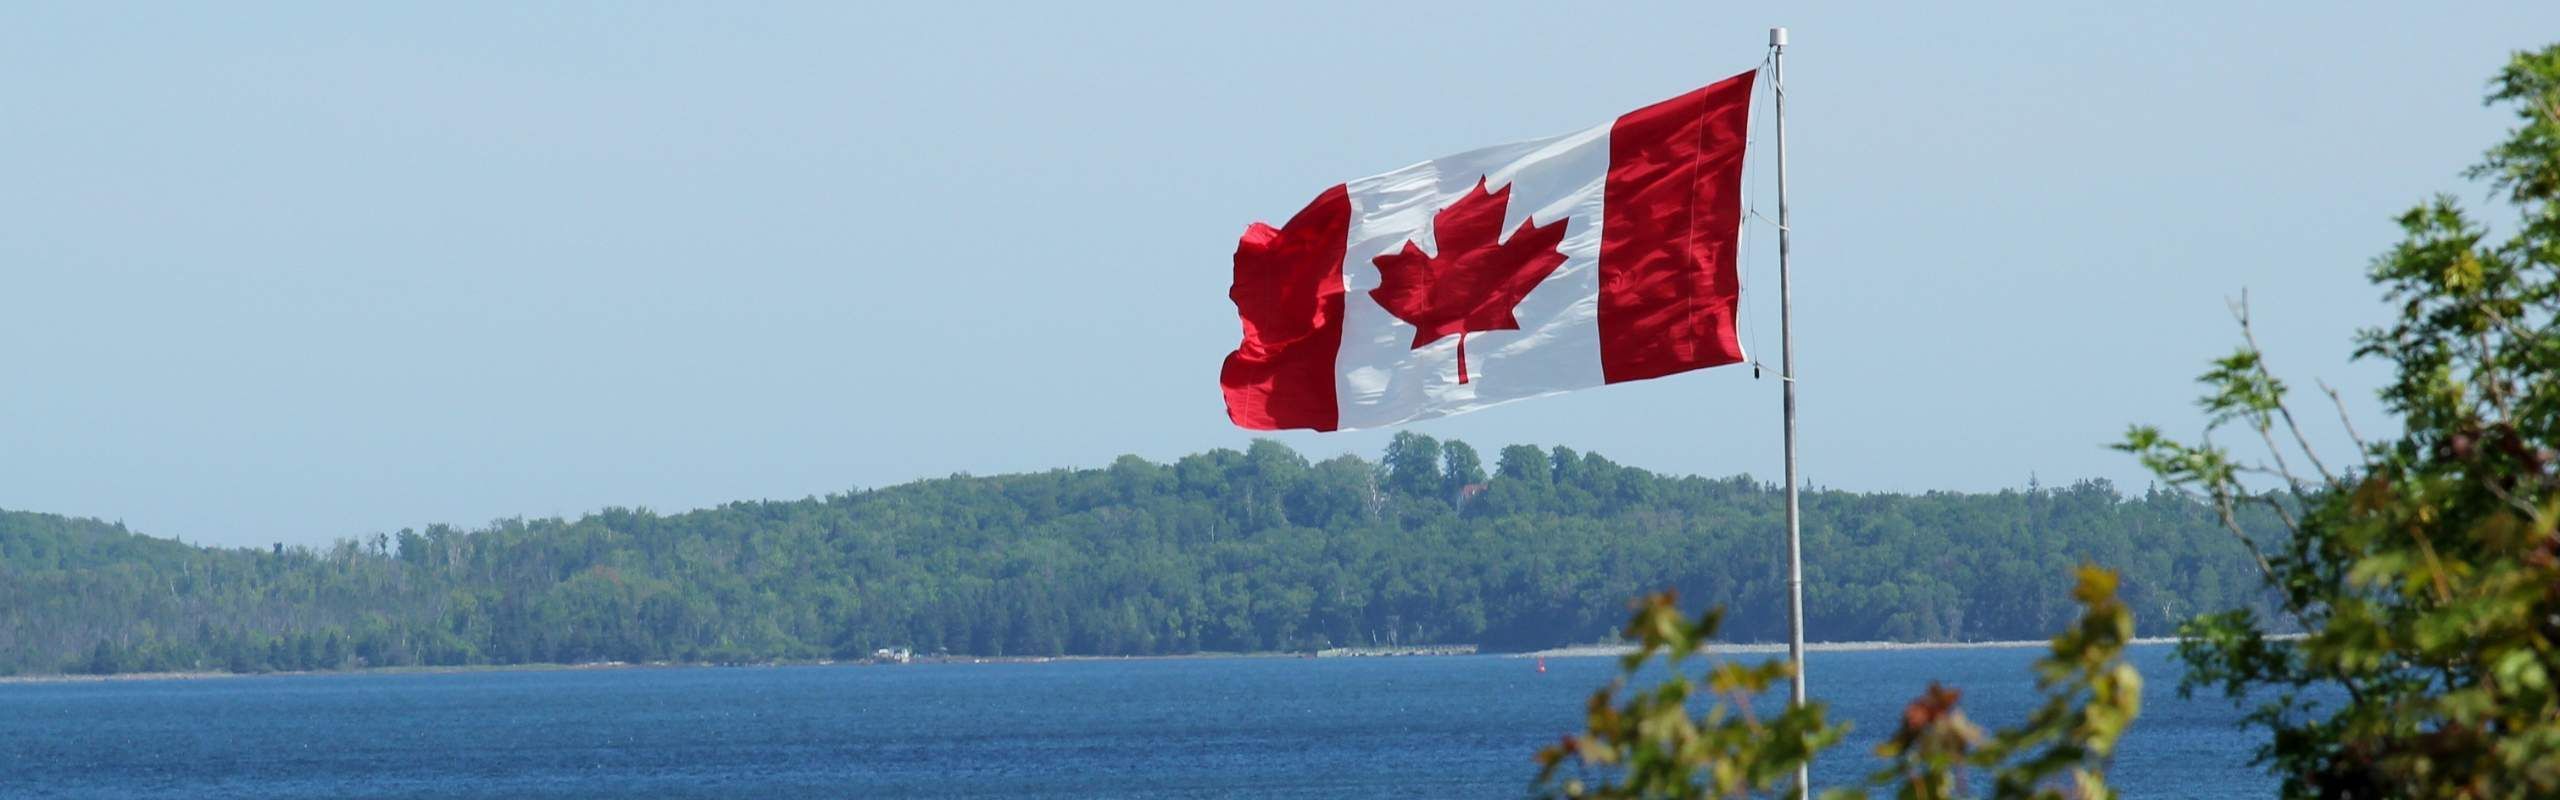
(1247, 727)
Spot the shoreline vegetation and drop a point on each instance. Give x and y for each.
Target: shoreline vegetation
(1251, 551)
(1764, 648)
(1426, 651)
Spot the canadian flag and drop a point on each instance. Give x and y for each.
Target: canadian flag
(1601, 256)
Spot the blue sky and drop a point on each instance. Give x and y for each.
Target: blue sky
(289, 273)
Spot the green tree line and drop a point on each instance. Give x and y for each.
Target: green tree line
(1223, 551)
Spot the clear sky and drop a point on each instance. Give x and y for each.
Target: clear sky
(290, 273)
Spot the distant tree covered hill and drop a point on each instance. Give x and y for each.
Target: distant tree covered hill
(1221, 551)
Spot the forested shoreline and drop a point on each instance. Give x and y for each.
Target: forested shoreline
(1224, 551)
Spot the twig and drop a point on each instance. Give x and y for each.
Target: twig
(2230, 520)
(2530, 512)
(2251, 336)
(2348, 422)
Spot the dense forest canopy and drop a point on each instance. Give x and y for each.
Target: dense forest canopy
(1222, 551)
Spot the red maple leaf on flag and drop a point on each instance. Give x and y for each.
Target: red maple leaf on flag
(1475, 281)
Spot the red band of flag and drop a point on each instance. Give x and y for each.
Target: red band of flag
(1672, 211)
(1288, 290)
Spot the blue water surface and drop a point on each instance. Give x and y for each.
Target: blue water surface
(1228, 727)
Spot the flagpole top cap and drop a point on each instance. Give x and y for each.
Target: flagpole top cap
(1777, 37)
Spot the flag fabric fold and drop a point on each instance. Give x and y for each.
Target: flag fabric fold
(1600, 256)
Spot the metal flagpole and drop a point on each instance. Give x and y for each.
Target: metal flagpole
(1787, 381)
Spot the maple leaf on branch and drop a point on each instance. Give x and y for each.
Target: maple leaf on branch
(1475, 281)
